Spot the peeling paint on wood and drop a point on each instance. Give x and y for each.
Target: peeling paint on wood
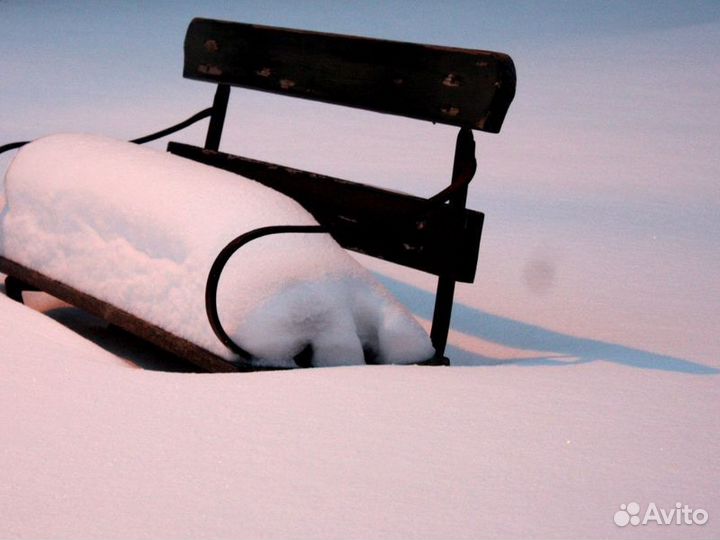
(451, 81)
(450, 111)
(209, 70)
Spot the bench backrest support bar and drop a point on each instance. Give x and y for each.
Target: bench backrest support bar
(217, 119)
(464, 166)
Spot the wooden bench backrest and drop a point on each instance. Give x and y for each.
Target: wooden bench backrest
(469, 89)
(460, 87)
(466, 88)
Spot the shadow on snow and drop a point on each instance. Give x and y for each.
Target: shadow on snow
(562, 349)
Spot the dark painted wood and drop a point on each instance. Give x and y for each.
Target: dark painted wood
(389, 225)
(113, 315)
(460, 87)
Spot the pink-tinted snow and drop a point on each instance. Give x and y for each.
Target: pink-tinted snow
(586, 354)
(96, 449)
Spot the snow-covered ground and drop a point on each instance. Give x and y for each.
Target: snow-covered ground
(95, 449)
(586, 357)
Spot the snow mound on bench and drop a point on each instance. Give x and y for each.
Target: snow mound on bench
(139, 228)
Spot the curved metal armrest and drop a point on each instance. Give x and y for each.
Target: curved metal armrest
(12, 146)
(218, 266)
(177, 127)
(205, 113)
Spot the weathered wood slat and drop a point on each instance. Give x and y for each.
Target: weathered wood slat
(460, 87)
(385, 224)
(154, 334)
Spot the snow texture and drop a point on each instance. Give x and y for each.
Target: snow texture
(585, 358)
(139, 228)
(93, 448)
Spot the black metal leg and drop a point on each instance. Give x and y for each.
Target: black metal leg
(442, 314)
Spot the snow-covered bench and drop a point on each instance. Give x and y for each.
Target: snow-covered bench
(466, 88)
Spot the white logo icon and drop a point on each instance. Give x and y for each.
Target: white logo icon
(680, 514)
(628, 513)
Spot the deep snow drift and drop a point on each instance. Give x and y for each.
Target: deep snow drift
(95, 449)
(140, 229)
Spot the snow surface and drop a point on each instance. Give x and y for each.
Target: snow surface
(140, 229)
(585, 357)
(95, 449)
